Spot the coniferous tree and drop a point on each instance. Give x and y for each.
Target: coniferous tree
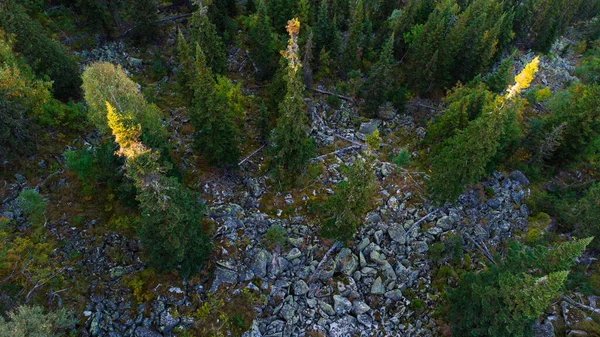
(354, 48)
(171, 231)
(324, 30)
(104, 82)
(467, 156)
(261, 42)
(291, 147)
(22, 98)
(380, 81)
(344, 211)
(217, 108)
(45, 56)
(505, 299)
(204, 33)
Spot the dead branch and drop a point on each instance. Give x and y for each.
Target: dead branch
(251, 154)
(418, 222)
(346, 98)
(325, 257)
(580, 305)
(349, 148)
(483, 248)
(348, 139)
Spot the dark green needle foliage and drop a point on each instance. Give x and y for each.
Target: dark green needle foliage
(506, 298)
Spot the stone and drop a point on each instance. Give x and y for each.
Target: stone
(369, 127)
(377, 287)
(392, 202)
(420, 247)
(259, 263)
(341, 304)
(365, 320)
(520, 177)
(377, 257)
(363, 244)
(327, 270)
(95, 324)
(360, 307)
(223, 275)
(344, 327)
(328, 309)
(142, 331)
(397, 233)
(116, 272)
(545, 329)
(394, 295)
(300, 288)
(346, 262)
(287, 312)
(445, 223)
(294, 254)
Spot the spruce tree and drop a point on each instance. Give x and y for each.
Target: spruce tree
(171, 231)
(217, 107)
(380, 81)
(204, 33)
(324, 30)
(291, 147)
(506, 298)
(353, 51)
(45, 56)
(261, 42)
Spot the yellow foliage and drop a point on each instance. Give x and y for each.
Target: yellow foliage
(525, 77)
(292, 51)
(126, 132)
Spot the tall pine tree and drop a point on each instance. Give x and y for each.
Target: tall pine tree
(291, 147)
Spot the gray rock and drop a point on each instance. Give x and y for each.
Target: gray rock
(116, 272)
(365, 320)
(328, 309)
(223, 275)
(543, 330)
(494, 203)
(287, 312)
(259, 263)
(377, 287)
(20, 178)
(397, 233)
(344, 327)
(327, 270)
(360, 307)
(294, 254)
(377, 257)
(369, 127)
(300, 288)
(142, 331)
(346, 262)
(420, 247)
(341, 304)
(363, 244)
(445, 223)
(520, 177)
(394, 295)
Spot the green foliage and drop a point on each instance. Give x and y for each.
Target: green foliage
(46, 57)
(217, 110)
(402, 159)
(204, 33)
(344, 211)
(579, 109)
(276, 235)
(291, 147)
(436, 252)
(171, 230)
(33, 205)
(464, 158)
(454, 45)
(143, 13)
(262, 45)
(499, 80)
(380, 81)
(505, 299)
(28, 321)
(82, 163)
